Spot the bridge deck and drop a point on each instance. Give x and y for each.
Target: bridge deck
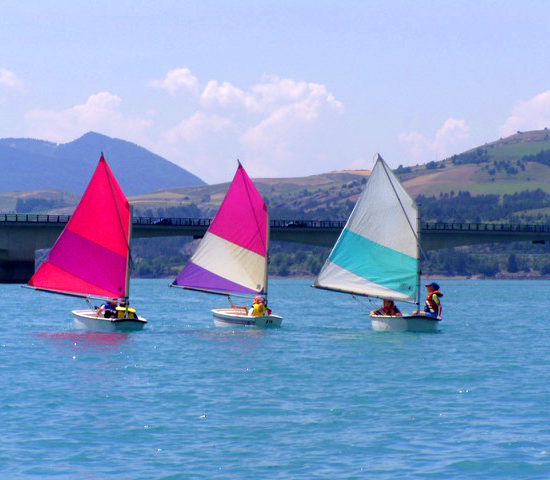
(22, 234)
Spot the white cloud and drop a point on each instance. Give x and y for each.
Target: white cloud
(100, 113)
(269, 125)
(9, 79)
(450, 138)
(276, 144)
(177, 79)
(223, 94)
(203, 143)
(197, 127)
(270, 94)
(533, 114)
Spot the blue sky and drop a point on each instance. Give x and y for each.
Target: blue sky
(289, 87)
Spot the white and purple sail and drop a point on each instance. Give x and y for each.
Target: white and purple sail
(232, 256)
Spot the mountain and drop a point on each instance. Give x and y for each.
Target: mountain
(37, 165)
(518, 164)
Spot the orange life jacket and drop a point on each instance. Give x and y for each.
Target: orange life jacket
(430, 304)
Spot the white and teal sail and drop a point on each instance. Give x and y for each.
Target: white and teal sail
(376, 254)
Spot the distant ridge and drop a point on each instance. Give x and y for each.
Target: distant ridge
(30, 164)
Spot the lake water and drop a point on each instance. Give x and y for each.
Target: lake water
(323, 397)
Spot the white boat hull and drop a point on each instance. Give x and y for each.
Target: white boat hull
(230, 317)
(405, 323)
(88, 319)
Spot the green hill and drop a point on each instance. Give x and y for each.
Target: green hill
(503, 181)
(493, 172)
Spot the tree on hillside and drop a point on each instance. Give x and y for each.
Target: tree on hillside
(512, 265)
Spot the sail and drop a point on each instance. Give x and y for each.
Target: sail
(90, 257)
(377, 252)
(231, 257)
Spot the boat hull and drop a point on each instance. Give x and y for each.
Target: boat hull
(88, 319)
(230, 317)
(405, 323)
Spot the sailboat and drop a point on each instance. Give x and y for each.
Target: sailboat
(232, 257)
(91, 257)
(377, 253)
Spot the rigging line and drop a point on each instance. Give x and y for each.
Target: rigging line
(404, 211)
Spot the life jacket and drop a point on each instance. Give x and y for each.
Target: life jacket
(388, 312)
(430, 304)
(391, 311)
(125, 312)
(258, 310)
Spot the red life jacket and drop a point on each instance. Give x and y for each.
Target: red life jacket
(432, 306)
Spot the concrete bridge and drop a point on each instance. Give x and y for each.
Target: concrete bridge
(22, 234)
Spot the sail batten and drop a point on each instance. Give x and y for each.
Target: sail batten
(377, 252)
(232, 255)
(90, 257)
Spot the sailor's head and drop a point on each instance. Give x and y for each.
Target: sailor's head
(432, 286)
(258, 299)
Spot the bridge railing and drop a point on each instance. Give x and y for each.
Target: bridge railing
(33, 218)
(277, 223)
(205, 222)
(485, 227)
(178, 222)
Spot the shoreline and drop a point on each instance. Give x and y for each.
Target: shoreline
(498, 276)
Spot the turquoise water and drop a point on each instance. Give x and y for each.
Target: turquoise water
(323, 397)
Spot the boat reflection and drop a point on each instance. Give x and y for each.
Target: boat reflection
(86, 340)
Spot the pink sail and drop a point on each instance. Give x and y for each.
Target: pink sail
(90, 257)
(242, 217)
(231, 258)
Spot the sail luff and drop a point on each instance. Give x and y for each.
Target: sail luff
(418, 256)
(128, 257)
(415, 231)
(266, 273)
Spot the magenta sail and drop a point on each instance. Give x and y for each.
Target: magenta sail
(232, 256)
(90, 257)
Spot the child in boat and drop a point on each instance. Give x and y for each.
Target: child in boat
(258, 307)
(388, 309)
(107, 309)
(433, 306)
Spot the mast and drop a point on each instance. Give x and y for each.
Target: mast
(128, 260)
